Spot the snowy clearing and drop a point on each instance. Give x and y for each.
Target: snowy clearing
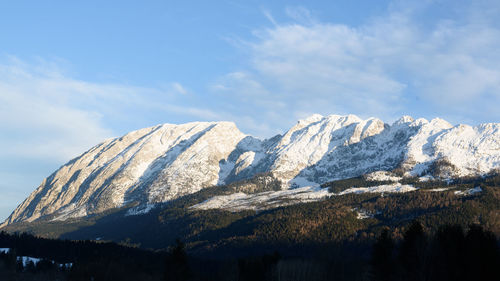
(272, 199)
(382, 176)
(386, 188)
(140, 210)
(364, 214)
(264, 200)
(470, 191)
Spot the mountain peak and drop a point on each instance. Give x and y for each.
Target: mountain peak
(404, 119)
(441, 123)
(310, 119)
(164, 162)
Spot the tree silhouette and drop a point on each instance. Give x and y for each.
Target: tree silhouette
(382, 261)
(413, 253)
(177, 268)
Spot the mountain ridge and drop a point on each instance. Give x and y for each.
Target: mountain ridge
(163, 162)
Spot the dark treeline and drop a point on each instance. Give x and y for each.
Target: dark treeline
(91, 260)
(450, 253)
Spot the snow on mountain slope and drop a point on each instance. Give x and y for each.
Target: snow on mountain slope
(382, 148)
(413, 146)
(266, 200)
(149, 165)
(311, 139)
(164, 162)
(471, 150)
(388, 188)
(263, 200)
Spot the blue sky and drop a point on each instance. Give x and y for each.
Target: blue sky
(73, 74)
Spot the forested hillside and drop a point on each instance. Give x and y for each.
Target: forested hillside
(450, 253)
(350, 217)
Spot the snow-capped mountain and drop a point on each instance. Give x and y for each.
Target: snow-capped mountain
(165, 162)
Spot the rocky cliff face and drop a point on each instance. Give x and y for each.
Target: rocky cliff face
(164, 162)
(149, 165)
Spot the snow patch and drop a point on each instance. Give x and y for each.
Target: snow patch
(300, 181)
(389, 188)
(70, 211)
(470, 191)
(26, 259)
(440, 189)
(140, 210)
(272, 199)
(364, 214)
(425, 178)
(225, 169)
(382, 176)
(263, 200)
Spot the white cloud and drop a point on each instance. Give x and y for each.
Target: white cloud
(45, 114)
(300, 14)
(389, 66)
(177, 87)
(269, 16)
(38, 119)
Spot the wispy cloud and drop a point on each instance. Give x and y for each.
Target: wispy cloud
(177, 87)
(47, 114)
(39, 116)
(300, 14)
(388, 66)
(269, 16)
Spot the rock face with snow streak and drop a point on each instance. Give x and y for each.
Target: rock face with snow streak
(164, 162)
(149, 165)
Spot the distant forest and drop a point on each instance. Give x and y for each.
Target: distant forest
(450, 253)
